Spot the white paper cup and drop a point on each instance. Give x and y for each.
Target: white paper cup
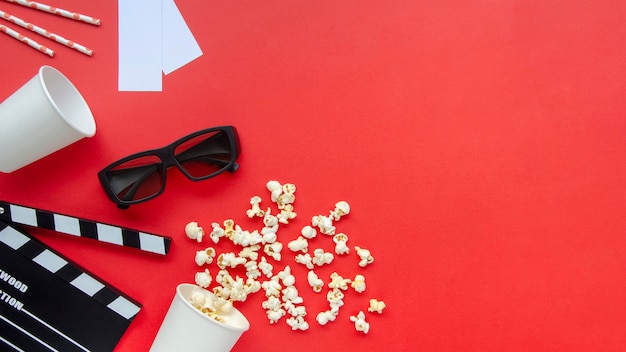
(44, 115)
(186, 329)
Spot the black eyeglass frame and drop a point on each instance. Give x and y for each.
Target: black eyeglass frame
(168, 160)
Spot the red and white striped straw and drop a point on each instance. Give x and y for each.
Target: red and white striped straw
(70, 44)
(26, 40)
(58, 11)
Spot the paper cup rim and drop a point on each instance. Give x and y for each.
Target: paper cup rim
(188, 304)
(90, 129)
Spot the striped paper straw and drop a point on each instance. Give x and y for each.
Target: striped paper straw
(26, 40)
(57, 11)
(18, 21)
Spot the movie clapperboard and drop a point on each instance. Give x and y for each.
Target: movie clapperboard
(49, 303)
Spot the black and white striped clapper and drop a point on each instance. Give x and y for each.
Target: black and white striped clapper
(48, 303)
(148, 242)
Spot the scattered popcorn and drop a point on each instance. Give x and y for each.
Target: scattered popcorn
(294, 310)
(342, 208)
(299, 245)
(250, 252)
(252, 270)
(286, 277)
(324, 317)
(273, 250)
(290, 294)
(275, 315)
(255, 210)
(272, 287)
(286, 214)
(229, 228)
(217, 232)
(320, 257)
(338, 282)
(315, 282)
(324, 224)
(194, 232)
(365, 255)
(308, 232)
(305, 259)
(282, 297)
(203, 278)
(287, 197)
(341, 244)
(335, 298)
(275, 188)
(229, 259)
(376, 306)
(265, 267)
(297, 323)
(358, 284)
(205, 257)
(272, 303)
(359, 323)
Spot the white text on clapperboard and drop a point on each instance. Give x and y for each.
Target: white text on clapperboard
(12, 281)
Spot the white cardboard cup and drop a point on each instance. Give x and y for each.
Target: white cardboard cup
(187, 329)
(44, 115)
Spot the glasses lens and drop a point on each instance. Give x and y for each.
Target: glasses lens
(137, 179)
(205, 155)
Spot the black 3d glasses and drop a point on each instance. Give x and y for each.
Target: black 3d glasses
(200, 155)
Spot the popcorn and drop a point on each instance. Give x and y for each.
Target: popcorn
(308, 232)
(203, 278)
(275, 188)
(358, 284)
(342, 208)
(324, 223)
(265, 267)
(376, 306)
(252, 270)
(205, 256)
(299, 245)
(272, 287)
(272, 303)
(320, 257)
(217, 232)
(324, 317)
(365, 255)
(225, 260)
(338, 282)
(359, 323)
(294, 310)
(282, 297)
(229, 228)
(297, 323)
(290, 294)
(341, 246)
(255, 209)
(194, 232)
(250, 252)
(273, 250)
(287, 197)
(305, 259)
(335, 298)
(275, 315)
(315, 282)
(286, 214)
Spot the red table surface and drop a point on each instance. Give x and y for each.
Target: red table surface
(479, 143)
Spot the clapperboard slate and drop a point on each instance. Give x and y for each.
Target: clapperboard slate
(48, 303)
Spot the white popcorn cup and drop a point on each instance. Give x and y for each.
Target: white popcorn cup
(187, 329)
(44, 115)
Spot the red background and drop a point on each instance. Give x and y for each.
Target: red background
(479, 143)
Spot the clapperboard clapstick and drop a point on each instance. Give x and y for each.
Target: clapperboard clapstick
(19, 214)
(48, 303)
